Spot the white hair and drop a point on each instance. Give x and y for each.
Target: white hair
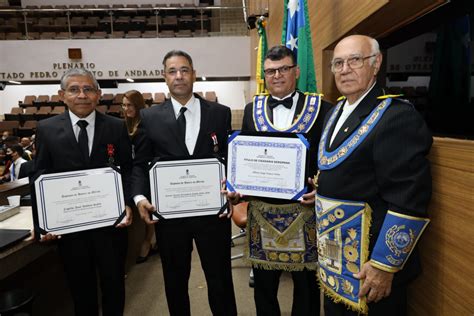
(374, 50)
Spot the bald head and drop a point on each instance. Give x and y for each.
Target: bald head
(360, 59)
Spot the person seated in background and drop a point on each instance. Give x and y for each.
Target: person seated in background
(16, 152)
(12, 140)
(132, 103)
(27, 145)
(5, 134)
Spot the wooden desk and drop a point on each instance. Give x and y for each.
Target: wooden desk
(17, 187)
(24, 252)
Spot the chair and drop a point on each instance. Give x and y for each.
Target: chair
(211, 96)
(13, 36)
(47, 35)
(159, 97)
(28, 129)
(14, 114)
(170, 23)
(43, 112)
(115, 110)
(184, 33)
(239, 217)
(101, 108)
(29, 114)
(63, 35)
(118, 99)
(117, 34)
(41, 100)
(58, 110)
(28, 101)
(98, 35)
(82, 35)
(149, 34)
(107, 99)
(133, 34)
(11, 126)
(166, 34)
(148, 97)
(200, 33)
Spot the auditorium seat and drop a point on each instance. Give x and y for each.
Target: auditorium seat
(43, 25)
(32, 36)
(200, 94)
(82, 35)
(152, 22)
(2, 36)
(133, 34)
(58, 110)
(186, 22)
(60, 24)
(27, 101)
(159, 97)
(98, 35)
(91, 23)
(11, 126)
(148, 97)
(107, 99)
(117, 34)
(43, 112)
(149, 34)
(62, 36)
(184, 33)
(13, 36)
(166, 34)
(211, 96)
(170, 23)
(28, 114)
(47, 35)
(41, 100)
(200, 33)
(101, 108)
(138, 23)
(9, 25)
(122, 23)
(115, 110)
(118, 99)
(55, 101)
(27, 129)
(14, 114)
(77, 23)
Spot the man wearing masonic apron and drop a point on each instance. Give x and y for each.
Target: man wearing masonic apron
(281, 234)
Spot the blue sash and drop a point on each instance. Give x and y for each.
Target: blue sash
(328, 160)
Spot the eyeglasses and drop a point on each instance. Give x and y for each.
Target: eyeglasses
(184, 71)
(75, 91)
(355, 62)
(270, 72)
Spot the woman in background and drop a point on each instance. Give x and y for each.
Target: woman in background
(132, 103)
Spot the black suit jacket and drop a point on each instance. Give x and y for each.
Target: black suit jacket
(158, 136)
(57, 149)
(388, 170)
(314, 134)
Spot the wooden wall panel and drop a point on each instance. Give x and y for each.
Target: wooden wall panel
(332, 20)
(446, 286)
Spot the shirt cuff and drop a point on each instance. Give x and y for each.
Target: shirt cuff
(138, 198)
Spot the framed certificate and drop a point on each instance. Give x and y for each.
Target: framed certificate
(69, 202)
(267, 164)
(185, 188)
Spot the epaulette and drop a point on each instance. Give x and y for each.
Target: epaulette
(383, 97)
(341, 98)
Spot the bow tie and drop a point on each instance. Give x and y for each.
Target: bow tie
(287, 103)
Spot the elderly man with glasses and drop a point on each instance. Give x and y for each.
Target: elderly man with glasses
(373, 189)
(294, 248)
(81, 139)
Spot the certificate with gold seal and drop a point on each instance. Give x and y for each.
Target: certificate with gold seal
(68, 202)
(186, 188)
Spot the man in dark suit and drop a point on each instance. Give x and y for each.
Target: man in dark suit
(59, 149)
(373, 173)
(285, 110)
(161, 135)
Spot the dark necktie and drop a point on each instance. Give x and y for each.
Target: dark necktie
(181, 120)
(83, 139)
(287, 103)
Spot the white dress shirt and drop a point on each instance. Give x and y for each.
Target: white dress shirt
(89, 128)
(282, 116)
(346, 111)
(15, 168)
(193, 120)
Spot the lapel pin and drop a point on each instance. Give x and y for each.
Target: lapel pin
(346, 129)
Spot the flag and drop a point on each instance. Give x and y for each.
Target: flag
(296, 35)
(262, 50)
